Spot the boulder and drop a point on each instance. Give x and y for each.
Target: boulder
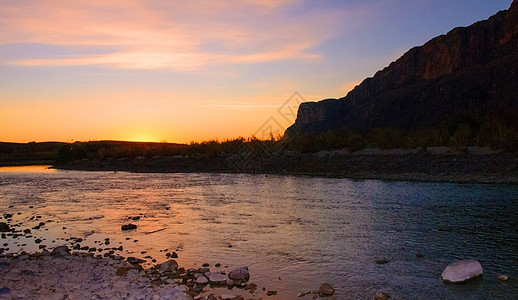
(241, 274)
(461, 271)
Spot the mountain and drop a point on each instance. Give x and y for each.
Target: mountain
(468, 71)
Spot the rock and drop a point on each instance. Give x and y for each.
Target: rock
(218, 278)
(326, 290)
(381, 296)
(128, 227)
(271, 293)
(174, 255)
(6, 294)
(202, 280)
(503, 278)
(60, 251)
(175, 295)
(4, 227)
(121, 271)
(251, 287)
(241, 274)
(169, 266)
(461, 271)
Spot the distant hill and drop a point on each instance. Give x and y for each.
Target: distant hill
(12, 154)
(468, 76)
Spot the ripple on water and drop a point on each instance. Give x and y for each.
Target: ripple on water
(302, 230)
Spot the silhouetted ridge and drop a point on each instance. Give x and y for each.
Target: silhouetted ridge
(471, 69)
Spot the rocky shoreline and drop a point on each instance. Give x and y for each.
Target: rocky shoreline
(69, 269)
(63, 275)
(454, 166)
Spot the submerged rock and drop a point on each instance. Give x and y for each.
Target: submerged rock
(461, 271)
(503, 278)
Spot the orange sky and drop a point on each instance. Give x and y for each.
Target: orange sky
(182, 71)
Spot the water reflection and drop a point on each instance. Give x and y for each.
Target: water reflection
(302, 230)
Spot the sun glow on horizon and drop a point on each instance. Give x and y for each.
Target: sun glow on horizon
(176, 71)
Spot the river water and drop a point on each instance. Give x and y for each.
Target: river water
(293, 233)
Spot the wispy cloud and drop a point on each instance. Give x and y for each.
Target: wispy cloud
(160, 34)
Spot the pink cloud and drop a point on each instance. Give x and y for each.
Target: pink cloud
(164, 34)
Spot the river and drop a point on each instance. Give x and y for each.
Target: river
(293, 233)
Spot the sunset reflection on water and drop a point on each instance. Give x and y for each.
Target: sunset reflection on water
(293, 233)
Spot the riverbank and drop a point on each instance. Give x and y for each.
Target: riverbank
(455, 167)
(84, 268)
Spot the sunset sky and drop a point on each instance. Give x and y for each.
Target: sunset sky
(193, 70)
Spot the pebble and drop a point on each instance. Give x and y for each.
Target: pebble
(217, 278)
(503, 278)
(40, 276)
(381, 296)
(202, 280)
(128, 227)
(326, 290)
(382, 261)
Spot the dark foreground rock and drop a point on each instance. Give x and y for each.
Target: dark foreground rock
(128, 227)
(4, 227)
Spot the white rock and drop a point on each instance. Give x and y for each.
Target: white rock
(228, 297)
(462, 270)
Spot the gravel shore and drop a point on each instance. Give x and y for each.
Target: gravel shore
(457, 167)
(63, 275)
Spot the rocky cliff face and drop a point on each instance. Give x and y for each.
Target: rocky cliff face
(473, 67)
